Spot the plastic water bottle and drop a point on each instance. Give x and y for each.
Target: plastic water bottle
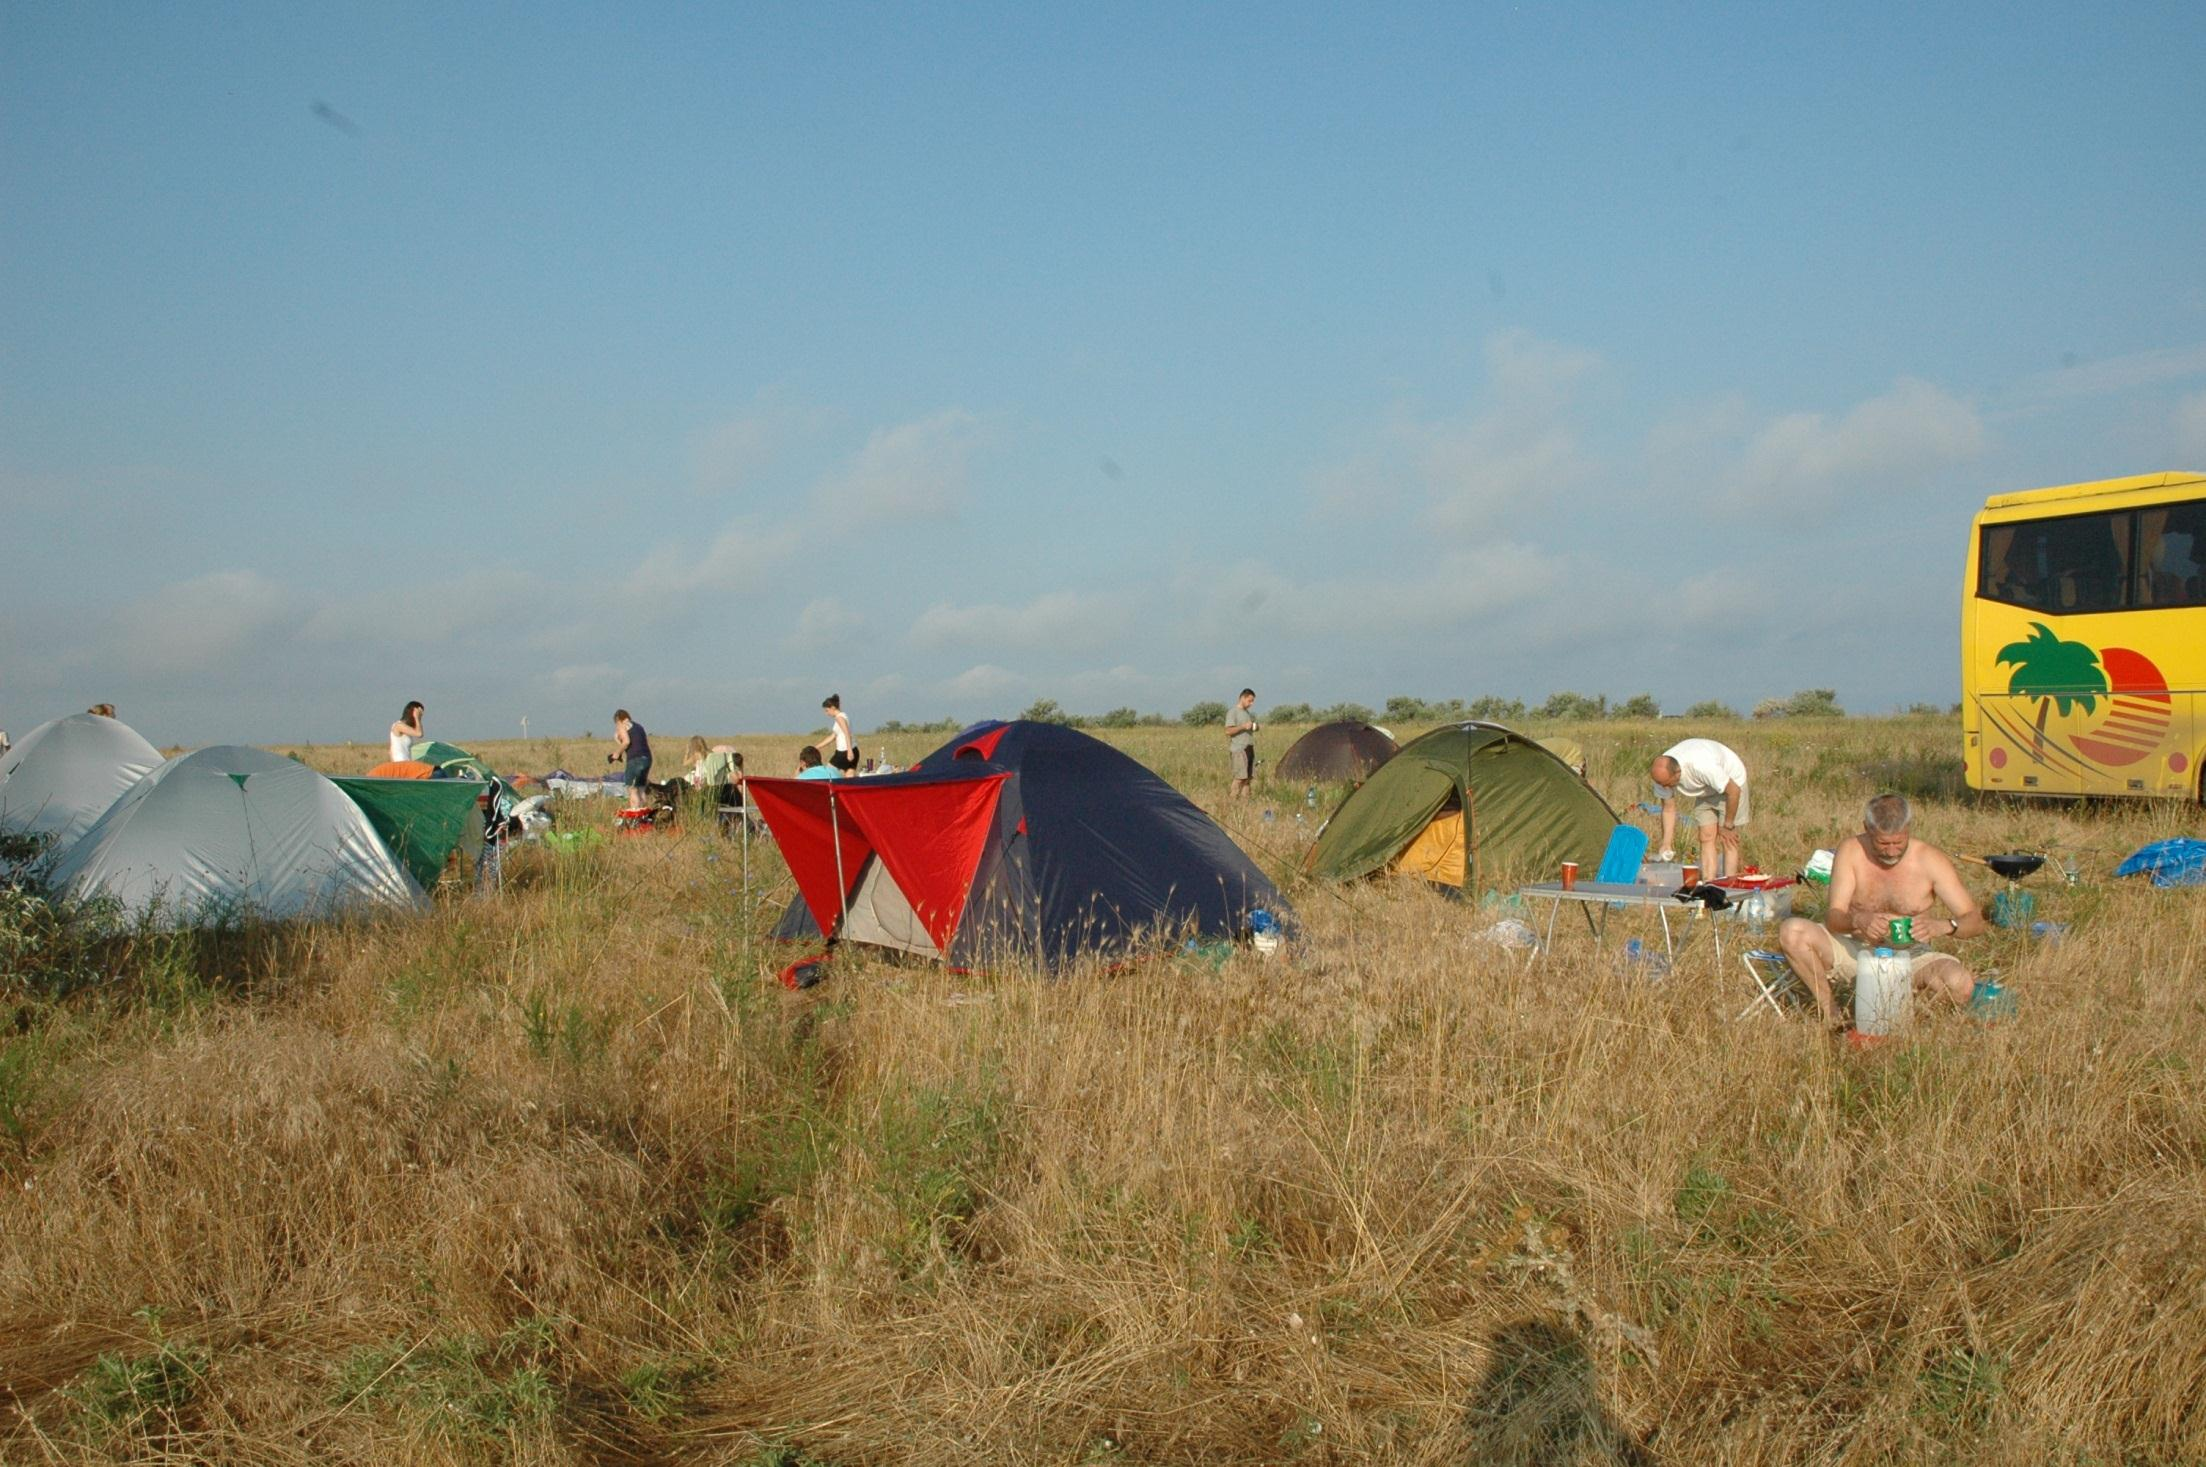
(1264, 933)
(1310, 799)
(2068, 869)
(1881, 983)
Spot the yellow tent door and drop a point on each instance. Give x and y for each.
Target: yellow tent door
(1437, 852)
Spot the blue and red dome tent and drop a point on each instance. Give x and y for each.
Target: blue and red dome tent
(1013, 841)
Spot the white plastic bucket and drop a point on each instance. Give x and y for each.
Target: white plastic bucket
(1883, 991)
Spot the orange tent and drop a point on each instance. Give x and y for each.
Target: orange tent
(403, 769)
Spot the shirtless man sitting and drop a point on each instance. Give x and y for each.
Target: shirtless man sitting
(1878, 875)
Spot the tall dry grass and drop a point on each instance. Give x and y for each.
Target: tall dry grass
(561, 1175)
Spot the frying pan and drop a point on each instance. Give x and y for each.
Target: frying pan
(2011, 865)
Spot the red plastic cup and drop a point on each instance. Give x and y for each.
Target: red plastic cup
(1691, 874)
(1570, 876)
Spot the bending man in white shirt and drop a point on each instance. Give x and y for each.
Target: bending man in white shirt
(1711, 780)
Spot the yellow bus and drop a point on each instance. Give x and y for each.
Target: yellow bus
(2083, 640)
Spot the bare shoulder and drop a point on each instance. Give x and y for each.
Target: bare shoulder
(1934, 860)
(1849, 855)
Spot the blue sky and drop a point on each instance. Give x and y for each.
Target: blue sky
(534, 360)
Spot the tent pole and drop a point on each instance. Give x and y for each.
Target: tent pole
(842, 883)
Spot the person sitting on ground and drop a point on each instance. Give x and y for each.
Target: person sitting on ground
(708, 766)
(809, 765)
(632, 751)
(1712, 781)
(405, 733)
(1881, 874)
(718, 769)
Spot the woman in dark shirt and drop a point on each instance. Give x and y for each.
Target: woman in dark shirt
(632, 751)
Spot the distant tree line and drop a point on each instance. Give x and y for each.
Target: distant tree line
(1402, 708)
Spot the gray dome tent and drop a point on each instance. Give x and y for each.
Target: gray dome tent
(232, 832)
(65, 774)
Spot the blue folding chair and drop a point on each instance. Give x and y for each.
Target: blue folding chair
(1627, 848)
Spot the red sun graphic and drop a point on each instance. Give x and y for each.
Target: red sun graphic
(2138, 710)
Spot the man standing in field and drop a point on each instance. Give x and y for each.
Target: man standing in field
(1881, 874)
(1241, 741)
(1712, 781)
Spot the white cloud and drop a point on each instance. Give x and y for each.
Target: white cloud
(1099, 686)
(1056, 620)
(915, 470)
(734, 453)
(497, 598)
(199, 624)
(825, 623)
(585, 677)
(1450, 591)
(2113, 375)
(1521, 449)
(983, 681)
(1888, 442)
(2190, 431)
(744, 556)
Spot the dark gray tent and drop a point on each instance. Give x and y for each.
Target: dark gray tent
(1344, 752)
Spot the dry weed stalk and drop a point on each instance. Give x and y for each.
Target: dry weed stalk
(563, 1176)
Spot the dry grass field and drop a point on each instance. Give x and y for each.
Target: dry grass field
(562, 1175)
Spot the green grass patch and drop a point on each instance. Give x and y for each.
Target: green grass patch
(466, 1385)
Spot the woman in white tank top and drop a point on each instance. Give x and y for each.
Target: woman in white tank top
(404, 732)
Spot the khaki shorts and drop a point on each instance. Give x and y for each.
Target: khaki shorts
(1709, 809)
(1244, 762)
(1846, 952)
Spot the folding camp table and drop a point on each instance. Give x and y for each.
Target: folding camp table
(1608, 895)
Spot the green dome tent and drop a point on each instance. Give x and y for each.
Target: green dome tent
(451, 761)
(1466, 805)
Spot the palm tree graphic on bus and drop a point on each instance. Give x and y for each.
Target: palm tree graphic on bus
(2072, 676)
(2053, 671)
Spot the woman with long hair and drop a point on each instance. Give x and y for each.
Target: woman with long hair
(843, 756)
(405, 732)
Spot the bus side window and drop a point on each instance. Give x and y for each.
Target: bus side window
(2090, 555)
(2169, 556)
(2014, 566)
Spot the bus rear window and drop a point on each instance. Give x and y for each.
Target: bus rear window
(2171, 560)
(2078, 563)
(2130, 560)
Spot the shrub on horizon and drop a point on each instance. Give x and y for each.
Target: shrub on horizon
(1575, 706)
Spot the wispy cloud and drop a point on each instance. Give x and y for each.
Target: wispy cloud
(986, 680)
(915, 470)
(1450, 591)
(1518, 450)
(734, 453)
(2189, 423)
(1066, 620)
(207, 622)
(824, 624)
(2109, 376)
(1891, 441)
(747, 555)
